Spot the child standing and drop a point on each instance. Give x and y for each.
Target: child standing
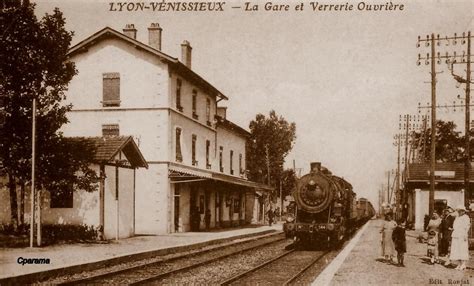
(432, 246)
(399, 239)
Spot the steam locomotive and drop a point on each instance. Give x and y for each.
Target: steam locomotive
(326, 211)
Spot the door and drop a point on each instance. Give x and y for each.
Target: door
(176, 208)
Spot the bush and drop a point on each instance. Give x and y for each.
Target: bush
(9, 229)
(53, 233)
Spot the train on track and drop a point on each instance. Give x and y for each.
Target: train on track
(326, 210)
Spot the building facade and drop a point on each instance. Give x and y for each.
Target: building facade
(449, 189)
(196, 158)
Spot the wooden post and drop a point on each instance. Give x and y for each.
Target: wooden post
(102, 202)
(33, 145)
(117, 231)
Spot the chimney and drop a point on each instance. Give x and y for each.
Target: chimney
(154, 36)
(186, 53)
(221, 111)
(130, 31)
(315, 167)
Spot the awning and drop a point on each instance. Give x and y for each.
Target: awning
(181, 173)
(239, 181)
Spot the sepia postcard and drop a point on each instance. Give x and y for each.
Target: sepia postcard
(235, 142)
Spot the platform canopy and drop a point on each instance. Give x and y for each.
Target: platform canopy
(182, 174)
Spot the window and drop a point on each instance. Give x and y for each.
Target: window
(241, 170)
(178, 95)
(179, 156)
(221, 150)
(208, 112)
(111, 89)
(110, 130)
(62, 198)
(231, 161)
(195, 116)
(193, 151)
(208, 146)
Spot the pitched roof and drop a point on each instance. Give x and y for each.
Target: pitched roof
(107, 148)
(175, 64)
(444, 172)
(231, 126)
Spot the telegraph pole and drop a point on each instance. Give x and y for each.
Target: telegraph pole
(431, 58)
(433, 128)
(399, 195)
(451, 60)
(388, 187)
(467, 163)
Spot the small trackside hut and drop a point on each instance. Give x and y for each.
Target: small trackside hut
(110, 210)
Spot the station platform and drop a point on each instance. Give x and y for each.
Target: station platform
(71, 257)
(360, 263)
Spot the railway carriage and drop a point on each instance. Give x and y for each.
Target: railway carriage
(326, 209)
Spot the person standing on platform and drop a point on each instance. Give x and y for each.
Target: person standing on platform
(270, 214)
(433, 239)
(207, 219)
(446, 229)
(459, 242)
(388, 248)
(399, 239)
(195, 218)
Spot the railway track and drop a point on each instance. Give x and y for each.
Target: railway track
(284, 269)
(158, 270)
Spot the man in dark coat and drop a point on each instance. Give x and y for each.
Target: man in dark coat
(399, 239)
(270, 214)
(446, 229)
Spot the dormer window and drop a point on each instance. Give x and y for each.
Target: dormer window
(111, 89)
(178, 95)
(195, 116)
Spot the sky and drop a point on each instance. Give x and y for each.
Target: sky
(343, 77)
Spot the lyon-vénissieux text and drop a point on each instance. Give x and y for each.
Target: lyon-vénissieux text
(216, 6)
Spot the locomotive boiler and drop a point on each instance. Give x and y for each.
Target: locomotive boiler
(326, 209)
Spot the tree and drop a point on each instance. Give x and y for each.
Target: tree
(33, 64)
(270, 142)
(449, 144)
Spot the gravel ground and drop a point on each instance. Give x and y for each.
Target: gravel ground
(212, 274)
(162, 267)
(363, 267)
(308, 277)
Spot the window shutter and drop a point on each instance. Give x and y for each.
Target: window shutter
(179, 156)
(111, 89)
(110, 130)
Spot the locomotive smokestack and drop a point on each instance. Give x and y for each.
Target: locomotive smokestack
(315, 167)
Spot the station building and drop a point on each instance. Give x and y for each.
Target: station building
(449, 189)
(195, 156)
